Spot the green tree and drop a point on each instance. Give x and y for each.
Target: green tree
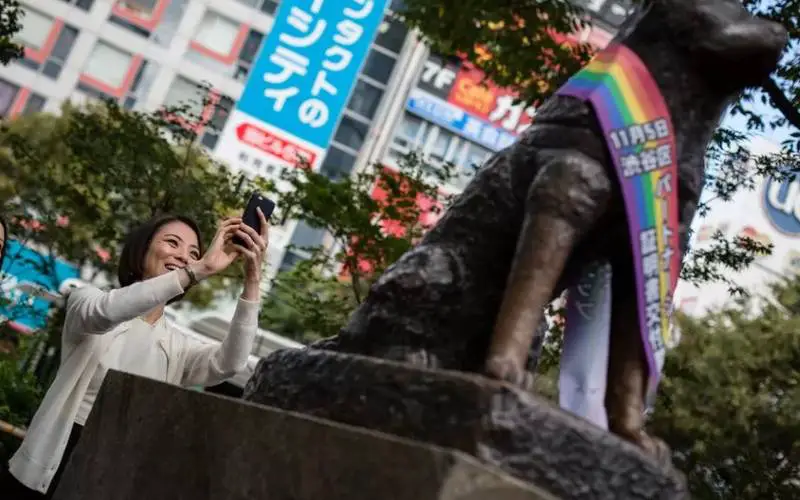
(76, 183)
(20, 395)
(10, 23)
(315, 298)
(730, 398)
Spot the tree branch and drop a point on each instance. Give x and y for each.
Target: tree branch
(781, 102)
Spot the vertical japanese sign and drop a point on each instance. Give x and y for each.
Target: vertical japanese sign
(301, 80)
(641, 142)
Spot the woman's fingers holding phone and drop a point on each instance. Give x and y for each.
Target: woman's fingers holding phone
(258, 242)
(230, 221)
(264, 226)
(247, 236)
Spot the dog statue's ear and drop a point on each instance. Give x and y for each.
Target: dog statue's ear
(720, 36)
(746, 38)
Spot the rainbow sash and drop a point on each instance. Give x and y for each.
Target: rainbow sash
(639, 133)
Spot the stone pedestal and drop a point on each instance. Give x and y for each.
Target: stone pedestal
(500, 425)
(150, 441)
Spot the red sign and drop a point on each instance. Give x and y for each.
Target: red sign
(489, 102)
(483, 99)
(273, 145)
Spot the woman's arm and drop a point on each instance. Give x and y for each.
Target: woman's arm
(91, 310)
(209, 365)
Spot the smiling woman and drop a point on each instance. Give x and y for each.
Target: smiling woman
(125, 329)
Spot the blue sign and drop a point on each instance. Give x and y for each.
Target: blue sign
(782, 204)
(458, 121)
(309, 63)
(25, 270)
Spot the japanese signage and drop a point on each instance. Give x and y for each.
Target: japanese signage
(641, 142)
(25, 271)
(308, 65)
(489, 102)
(454, 95)
(438, 76)
(300, 82)
(782, 204)
(459, 121)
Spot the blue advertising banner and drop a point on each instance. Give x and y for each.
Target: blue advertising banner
(308, 65)
(23, 271)
(458, 121)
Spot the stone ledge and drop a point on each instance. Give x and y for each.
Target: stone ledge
(499, 424)
(146, 440)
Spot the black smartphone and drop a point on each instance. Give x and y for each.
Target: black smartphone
(250, 216)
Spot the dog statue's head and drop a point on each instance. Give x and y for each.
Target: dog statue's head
(720, 38)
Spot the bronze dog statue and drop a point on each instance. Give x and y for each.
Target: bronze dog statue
(471, 295)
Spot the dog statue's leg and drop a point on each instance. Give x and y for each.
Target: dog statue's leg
(568, 195)
(627, 380)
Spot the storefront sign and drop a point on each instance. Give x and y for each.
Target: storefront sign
(782, 204)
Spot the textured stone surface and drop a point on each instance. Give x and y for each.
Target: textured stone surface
(150, 441)
(500, 425)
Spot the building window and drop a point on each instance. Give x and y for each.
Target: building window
(225, 46)
(351, 132)
(48, 43)
(438, 146)
(36, 29)
(391, 34)
(378, 66)
(156, 20)
(468, 159)
(218, 36)
(108, 67)
(439, 150)
(306, 237)
(338, 164)
(248, 53)
(185, 93)
(290, 259)
(15, 100)
(365, 99)
(81, 4)
(265, 6)
(219, 117)
(8, 93)
(204, 111)
(34, 104)
(409, 134)
(112, 73)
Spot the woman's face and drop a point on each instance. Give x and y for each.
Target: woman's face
(173, 246)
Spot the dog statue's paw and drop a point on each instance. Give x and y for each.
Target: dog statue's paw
(509, 370)
(660, 451)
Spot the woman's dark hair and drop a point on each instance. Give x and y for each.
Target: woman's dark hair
(137, 243)
(5, 241)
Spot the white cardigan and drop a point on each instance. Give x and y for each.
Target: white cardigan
(93, 319)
